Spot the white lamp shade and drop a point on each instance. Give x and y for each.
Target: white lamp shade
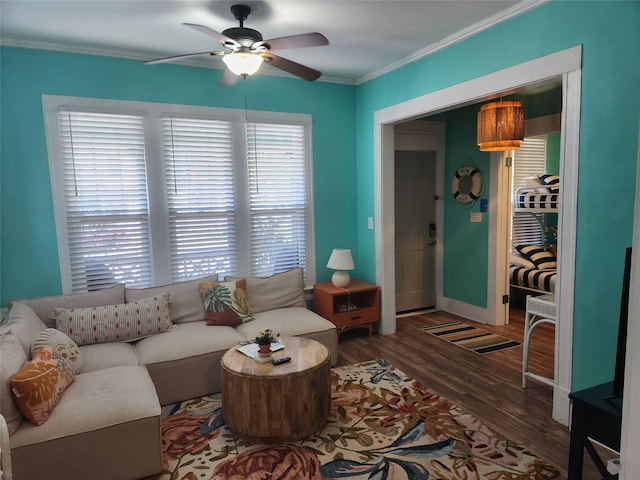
(243, 63)
(341, 259)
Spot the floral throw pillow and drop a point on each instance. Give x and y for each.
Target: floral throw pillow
(59, 342)
(226, 303)
(39, 385)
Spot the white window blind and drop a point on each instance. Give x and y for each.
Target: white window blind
(200, 195)
(149, 194)
(529, 161)
(105, 192)
(277, 197)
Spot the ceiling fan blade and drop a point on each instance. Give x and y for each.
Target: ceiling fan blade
(291, 67)
(228, 78)
(314, 39)
(178, 57)
(213, 34)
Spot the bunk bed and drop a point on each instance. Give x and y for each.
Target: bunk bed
(533, 267)
(535, 199)
(532, 279)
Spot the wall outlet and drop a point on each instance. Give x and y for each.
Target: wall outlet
(370, 223)
(476, 217)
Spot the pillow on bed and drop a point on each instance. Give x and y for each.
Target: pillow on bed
(520, 261)
(550, 181)
(537, 185)
(542, 258)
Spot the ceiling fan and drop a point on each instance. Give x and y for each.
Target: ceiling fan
(245, 50)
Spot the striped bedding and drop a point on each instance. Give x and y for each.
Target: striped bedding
(532, 278)
(538, 201)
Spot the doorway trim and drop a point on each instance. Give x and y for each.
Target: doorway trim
(565, 64)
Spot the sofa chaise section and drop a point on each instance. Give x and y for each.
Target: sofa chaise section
(107, 427)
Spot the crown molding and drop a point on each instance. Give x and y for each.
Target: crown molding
(130, 55)
(516, 10)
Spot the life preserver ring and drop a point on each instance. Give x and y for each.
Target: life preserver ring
(466, 185)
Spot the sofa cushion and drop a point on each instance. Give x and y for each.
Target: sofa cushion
(282, 290)
(24, 324)
(287, 322)
(107, 355)
(39, 385)
(188, 340)
(116, 323)
(185, 304)
(12, 358)
(43, 306)
(96, 400)
(60, 343)
(226, 303)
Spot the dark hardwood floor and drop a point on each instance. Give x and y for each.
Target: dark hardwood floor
(489, 386)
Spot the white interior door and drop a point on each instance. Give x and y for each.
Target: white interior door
(415, 230)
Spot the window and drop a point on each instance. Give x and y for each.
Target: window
(149, 194)
(200, 194)
(529, 162)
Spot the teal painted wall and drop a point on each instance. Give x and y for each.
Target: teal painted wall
(29, 254)
(466, 244)
(553, 154)
(609, 33)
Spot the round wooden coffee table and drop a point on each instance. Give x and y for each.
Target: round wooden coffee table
(262, 402)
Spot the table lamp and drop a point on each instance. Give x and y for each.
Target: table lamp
(340, 260)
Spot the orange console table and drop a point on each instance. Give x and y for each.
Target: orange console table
(355, 306)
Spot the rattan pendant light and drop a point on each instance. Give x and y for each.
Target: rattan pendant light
(500, 126)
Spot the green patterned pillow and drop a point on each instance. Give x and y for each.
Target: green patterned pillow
(115, 323)
(226, 303)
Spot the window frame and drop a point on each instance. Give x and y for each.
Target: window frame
(152, 114)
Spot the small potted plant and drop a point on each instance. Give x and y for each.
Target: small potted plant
(264, 341)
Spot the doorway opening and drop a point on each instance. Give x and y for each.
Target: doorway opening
(541, 71)
(419, 154)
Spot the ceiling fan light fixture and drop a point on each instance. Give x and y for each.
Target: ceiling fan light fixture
(500, 126)
(243, 63)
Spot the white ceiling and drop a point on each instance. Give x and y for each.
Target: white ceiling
(367, 38)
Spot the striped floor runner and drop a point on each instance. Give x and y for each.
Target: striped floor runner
(469, 337)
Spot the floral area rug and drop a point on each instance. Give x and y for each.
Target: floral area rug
(382, 425)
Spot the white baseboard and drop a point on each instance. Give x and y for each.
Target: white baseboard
(477, 314)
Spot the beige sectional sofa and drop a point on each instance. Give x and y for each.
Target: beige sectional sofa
(106, 424)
